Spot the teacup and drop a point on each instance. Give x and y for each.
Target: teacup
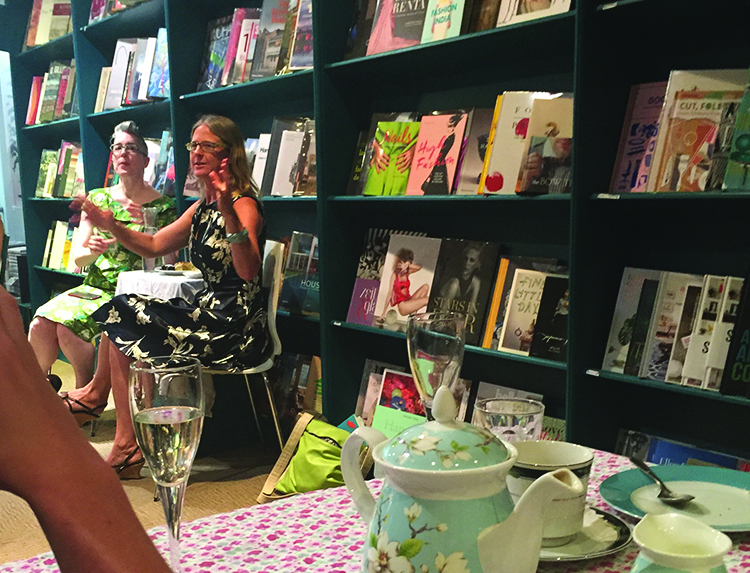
(563, 518)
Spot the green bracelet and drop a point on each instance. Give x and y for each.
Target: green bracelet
(239, 237)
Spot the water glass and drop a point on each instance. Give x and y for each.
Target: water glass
(510, 419)
(150, 227)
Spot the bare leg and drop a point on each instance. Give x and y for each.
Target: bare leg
(79, 352)
(125, 441)
(417, 301)
(43, 339)
(96, 392)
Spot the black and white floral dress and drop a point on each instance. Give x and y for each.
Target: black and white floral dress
(225, 327)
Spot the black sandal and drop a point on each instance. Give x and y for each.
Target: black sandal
(82, 413)
(55, 381)
(128, 469)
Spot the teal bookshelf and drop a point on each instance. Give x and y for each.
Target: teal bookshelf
(597, 50)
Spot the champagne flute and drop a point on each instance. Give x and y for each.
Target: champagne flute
(167, 406)
(436, 351)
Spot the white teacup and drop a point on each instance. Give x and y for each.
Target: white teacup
(563, 518)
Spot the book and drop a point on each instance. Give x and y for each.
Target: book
(722, 335)
(286, 163)
(74, 171)
(662, 329)
(550, 339)
(396, 25)
(490, 141)
(735, 380)
(406, 281)
(287, 37)
(704, 323)
(278, 127)
(682, 334)
(301, 53)
(442, 20)
(119, 73)
(369, 387)
(63, 164)
(463, 282)
(142, 57)
(61, 90)
(641, 326)
(359, 32)
(48, 245)
(33, 26)
(158, 83)
(722, 147)
(215, 53)
(546, 157)
(390, 160)
(69, 91)
(399, 406)
(59, 234)
(268, 45)
(51, 89)
(511, 127)
(101, 94)
(143, 71)
(623, 319)
(98, 10)
(515, 11)
(686, 81)
(243, 60)
(305, 180)
(499, 300)
(300, 275)
(235, 28)
(264, 140)
(736, 175)
(482, 15)
(34, 99)
(436, 153)
(54, 21)
(638, 138)
(47, 172)
(466, 181)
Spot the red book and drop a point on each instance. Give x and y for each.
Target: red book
(34, 96)
(60, 102)
(234, 39)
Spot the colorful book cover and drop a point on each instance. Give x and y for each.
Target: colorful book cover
(546, 158)
(268, 46)
(369, 387)
(523, 306)
(158, 84)
(49, 159)
(300, 275)
(243, 61)
(400, 405)
(550, 339)
(406, 279)
(490, 142)
(51, 89)
(436, 154)
(510, 135)
(35, 97)
(463, 282)
(397, 24)
(623, 320)
(466, 181)
(443, 20)
(736, 377)
(214, 56)
(391, 158)
(98, 10)
(640, 326)
(737, 174)
(61, 90)
(682, 334)
(301, 56)
(717, 351)
(233, 42)
(638, 138)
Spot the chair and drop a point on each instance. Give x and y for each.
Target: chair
(4, 240)
(273, 274)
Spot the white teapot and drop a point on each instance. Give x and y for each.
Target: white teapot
(444, 505)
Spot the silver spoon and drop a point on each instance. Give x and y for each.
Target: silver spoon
(665, 494)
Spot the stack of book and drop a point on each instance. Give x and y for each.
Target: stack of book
(522, 146)
(512, 304)
(53, 96)
(60, 238)
(253, 43)
(284, 163)
(300, 291)
(61, 171)
(49, 19)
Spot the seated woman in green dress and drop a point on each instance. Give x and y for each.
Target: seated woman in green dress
(64, 322)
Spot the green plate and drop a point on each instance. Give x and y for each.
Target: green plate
(722, 496)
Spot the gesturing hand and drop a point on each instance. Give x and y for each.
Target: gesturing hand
(221, 187)
(98, 244)
(101, 218)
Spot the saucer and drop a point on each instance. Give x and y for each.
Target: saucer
(602, 534)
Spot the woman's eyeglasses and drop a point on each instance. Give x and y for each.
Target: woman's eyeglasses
(118, 148)
(205, 146)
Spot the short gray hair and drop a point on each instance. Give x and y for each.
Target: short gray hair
(131, 128)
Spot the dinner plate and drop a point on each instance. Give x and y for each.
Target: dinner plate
(602, 534)
(169, 273)
(722, 495)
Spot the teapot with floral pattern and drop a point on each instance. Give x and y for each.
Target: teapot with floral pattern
(444, 507)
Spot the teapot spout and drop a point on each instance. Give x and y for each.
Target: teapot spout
(513, 546)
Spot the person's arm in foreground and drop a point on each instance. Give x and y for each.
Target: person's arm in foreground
(46, 460)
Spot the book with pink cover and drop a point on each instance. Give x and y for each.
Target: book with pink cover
(436, 155)
(397, 24)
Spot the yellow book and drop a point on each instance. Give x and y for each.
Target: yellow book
(490, 141)
(497, 298)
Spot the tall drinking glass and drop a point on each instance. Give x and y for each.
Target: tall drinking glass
(150, 227)
(167, 405)
(436, 351)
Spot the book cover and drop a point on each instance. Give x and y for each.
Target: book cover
(663, 327)
(523, 306)
(722, 335)
(391, 158)
(359, 31)
(60, 22)
(59, 235)
(286, 163)
(442, 20)
(490, 142)
(638, 138)
(61, 90)
(130, 94)
(463, 282)
(467, 178)
(101, 94)
(97, 11)
(623, 320)
(214, 56)
(306, 177)
(73, 171)
(34, 99)
(158, 83)
(688, 139)
(515, 11)
(641, 326)
(278, 127)
(548, 146)
(31, 30)
(436, 154)
(301, 57)
(550, 339)
(722, 147)
(145, 67)
(118, 75)
(701, 332)
(397, 24)
(482, 15)
(233, 42)
(369, 388)
(63, 164)
(43, 24)
(69, 91)
(287, 37)
(48, 162)
(400, 406)
(690, 80)
(264, 140)
(736, 176)
(268, 45)
(300, 274)
(406, 279)
(510, 134)
(736, 377)
(682, 334)
(51, 89)
(243, 61)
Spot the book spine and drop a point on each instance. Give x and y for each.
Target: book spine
(490, 141)
(641, 327)
(101, 94)
(33, 23)
(34, 97)
(61, 90)
(718, 351)
(232, 45)
(497, 297)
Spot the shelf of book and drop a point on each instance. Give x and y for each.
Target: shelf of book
(145, 113)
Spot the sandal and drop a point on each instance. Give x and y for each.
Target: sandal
(81, 412)
(55, 381)
(128, 469)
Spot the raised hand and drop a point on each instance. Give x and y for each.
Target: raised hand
(220, 187)
(101, 218)
(98, 244)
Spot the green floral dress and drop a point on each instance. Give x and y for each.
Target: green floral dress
(74, 312)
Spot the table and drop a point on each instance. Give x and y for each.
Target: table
(321, 532)
(159, 285)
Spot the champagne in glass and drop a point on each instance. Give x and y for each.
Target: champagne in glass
(436, 350)
(167, 405)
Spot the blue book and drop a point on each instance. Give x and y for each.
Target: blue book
(214, 57)
(158, 85)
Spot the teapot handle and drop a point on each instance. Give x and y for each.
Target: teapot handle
(352, 473)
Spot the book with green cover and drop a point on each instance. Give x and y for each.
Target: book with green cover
(393, 140)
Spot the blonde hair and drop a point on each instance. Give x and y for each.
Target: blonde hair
(231, 136)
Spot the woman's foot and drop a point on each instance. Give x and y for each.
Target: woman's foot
(82, 412)
(127, 462)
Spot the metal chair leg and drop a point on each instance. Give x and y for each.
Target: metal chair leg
(267, 384)
(252, 405)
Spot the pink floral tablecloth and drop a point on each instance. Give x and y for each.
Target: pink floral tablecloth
(321, 532)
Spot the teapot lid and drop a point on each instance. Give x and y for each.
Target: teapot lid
(444, 444)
